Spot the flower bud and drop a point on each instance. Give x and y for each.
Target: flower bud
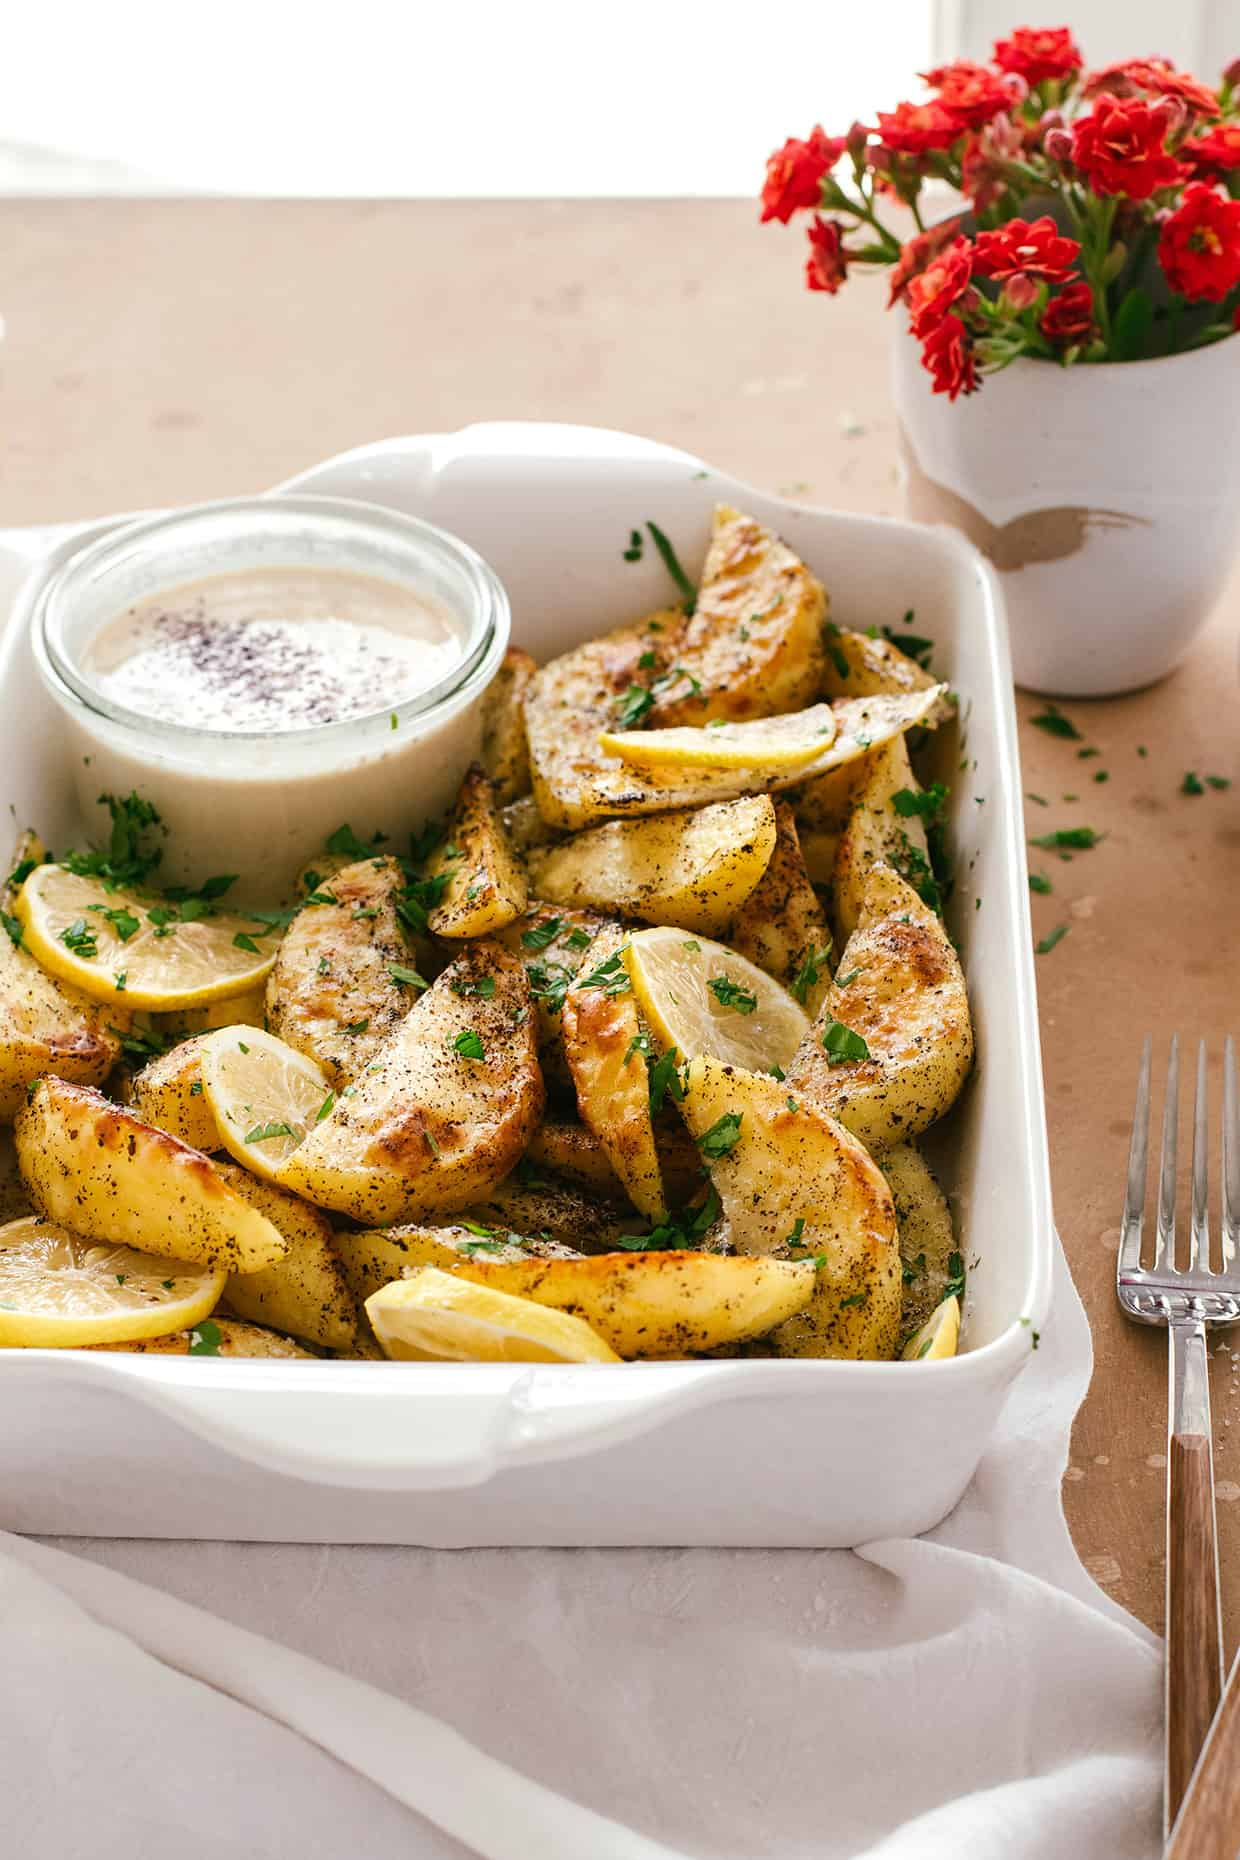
(1020, 291)
(1051, 119)
(1114, 262)
(880, 160)
(1057, 145)
(1174, 112)
(1232, 73)
(856, 139)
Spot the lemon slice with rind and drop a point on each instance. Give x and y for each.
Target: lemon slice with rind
(937, 1337)
(58, 1291)
(784, 742)
(432, 1314)
(263, 1095)
(704, 998)
(134, 951)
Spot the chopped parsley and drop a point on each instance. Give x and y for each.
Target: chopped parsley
(842, 1045)
(723, 1135)
(798, 1228)
(325, 1108)
(1053, 721)
(670, 562)
(80, 938)
(633, 706)
(640, 1043)
(807, 975)
(678, 1232)
(914, 1269)
(912, 644)
(12, 927)
(120, 981)
(1079, 838)
(322, 897)
(358, 1026)
(1084, 755)
(610, 975)
(122, 921)
(542, 934)
(204, 1339)
(1192, 784)
(129, 856)
(1039, 882)
(857, 1298)
(468, 1044)
(731, 994)
(922, 803)
(549, 983)
(955, 1276)
(648, 661)
(665, 1079)
(142, 1042)
(20, 873)
(846, 981)
(409, 978)
(262, 1133)
(1218, 781)
(1048, 943)
(242, 941)
(634, 551)
(431, 1144)
(579, 938)
(347, 844)
(483, 987)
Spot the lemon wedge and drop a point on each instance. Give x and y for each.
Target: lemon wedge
(263, 1095)
(703, 998)
(133, 951)
(432, 1314)
(785, 742)
(937, 1337)
(61, 1292)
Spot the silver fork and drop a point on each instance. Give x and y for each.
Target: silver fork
(1186, 1301)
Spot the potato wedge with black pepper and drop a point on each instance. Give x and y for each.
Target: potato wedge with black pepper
(168, 1094)
(864, 665)
(338, 989)
(693, 869)
(445, 1108)
(899, 992)
(482, 884)
(375, 1256)
(554, 942)
(795, 1185)
(572, 1151)
(606, 1052)
(884, 826)
(105, 1175)
(306, 1292)
(505, 749)
(782, 926)
(927, 1239)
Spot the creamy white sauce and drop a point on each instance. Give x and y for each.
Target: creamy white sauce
(273, 650)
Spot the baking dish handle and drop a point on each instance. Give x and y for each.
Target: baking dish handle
(419, 1427)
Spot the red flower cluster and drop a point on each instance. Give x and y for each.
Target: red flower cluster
(826, 268)
(933, 291)
(1069, 317)
(1039, 249)
(1214, 154)
(1155, 77)
(794, 174)
(1121, 149)
(1038, 56)
(970, 93)
(949, 357)
(1199, 246)
(917, 128)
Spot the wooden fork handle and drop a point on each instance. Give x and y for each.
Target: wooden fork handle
(1208, 1827)
(1194, 1632)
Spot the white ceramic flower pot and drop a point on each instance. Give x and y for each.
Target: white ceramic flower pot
(1107, 496)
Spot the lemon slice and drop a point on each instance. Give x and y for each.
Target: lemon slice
(61, 1292)
(703, 998)
(263, 1095)
(785, 742)
(433, 1314)
(937, 1337)
(132, 951)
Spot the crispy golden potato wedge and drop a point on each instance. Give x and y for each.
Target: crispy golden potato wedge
(753, 644)
(572, 1151)
(877, 831)
(927, 1240)
(484, 884)
(536, 1206)
(106, 1176)
(691, 869)
(332, 993)
(794, 1184)
(15, 1202)
(858, 665)
(781, 926)
(658, 1304)
(606, 1056)
(306, 1292)
(374, 1257)
(900, 988)
(168, 1094)
(505, 750)
(554, 942)
(431, 1125)
(790, 741)
(215, 1336)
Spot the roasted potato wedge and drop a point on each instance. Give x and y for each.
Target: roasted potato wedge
(782, 927)
(602, 1042)
(878, 831)
(215, 1336)
(658, 1304)
(429, 1128)
(927, 1240)
(692, 869)
(753, 644)
(332, 994)
(168, 1094)
(538, 1207)
(859, 665)
(553, 942)
(374, 1257)
(484, 884)
(794, 1184)
(900, 988)
(104, 1175)
(572, 1151)
(306, 1292)
(15, 1202)
(526, 827)
(505, 750)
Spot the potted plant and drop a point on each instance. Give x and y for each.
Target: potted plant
(1089, 282)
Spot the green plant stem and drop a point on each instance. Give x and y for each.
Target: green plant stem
(913, 209)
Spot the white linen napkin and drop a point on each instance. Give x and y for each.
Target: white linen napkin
(970, 1693)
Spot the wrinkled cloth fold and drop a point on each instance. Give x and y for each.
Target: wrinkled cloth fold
(970, 1692)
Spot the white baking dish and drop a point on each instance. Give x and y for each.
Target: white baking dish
(775, 1453)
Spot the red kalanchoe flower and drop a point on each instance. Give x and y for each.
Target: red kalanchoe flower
(918, 252)
(1120, 150)
(794, 174)
(1038, 248)
(970, 92)
(1199, 245)
(949, 358)
(826, 268)
(982, 176)
(933, 292)
(1215, 153)
(918, 128)
(1156, 77)
(1069, 317)
(1037, 55)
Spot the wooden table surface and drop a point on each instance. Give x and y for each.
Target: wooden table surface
(162, 352)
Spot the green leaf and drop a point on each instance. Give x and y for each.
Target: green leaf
(1192, 784)
(732, 994)
(1048, 943)
(409, 977)
(1081, 838)
(842, 1045)
(672, 565)
(469, 1045)
(204, 1339)
(13, 927)
(543, 933)
(262, 1133)
(1130, 326)
(1053, 721)
(1038, 881)
(723, 1135)
(346, 842)
(665, 1079)
(925, 803)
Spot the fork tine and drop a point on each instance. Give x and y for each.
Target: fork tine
(1134, 1195)
(1199, 1218)
(1231, 1157)
(1164, 1238)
